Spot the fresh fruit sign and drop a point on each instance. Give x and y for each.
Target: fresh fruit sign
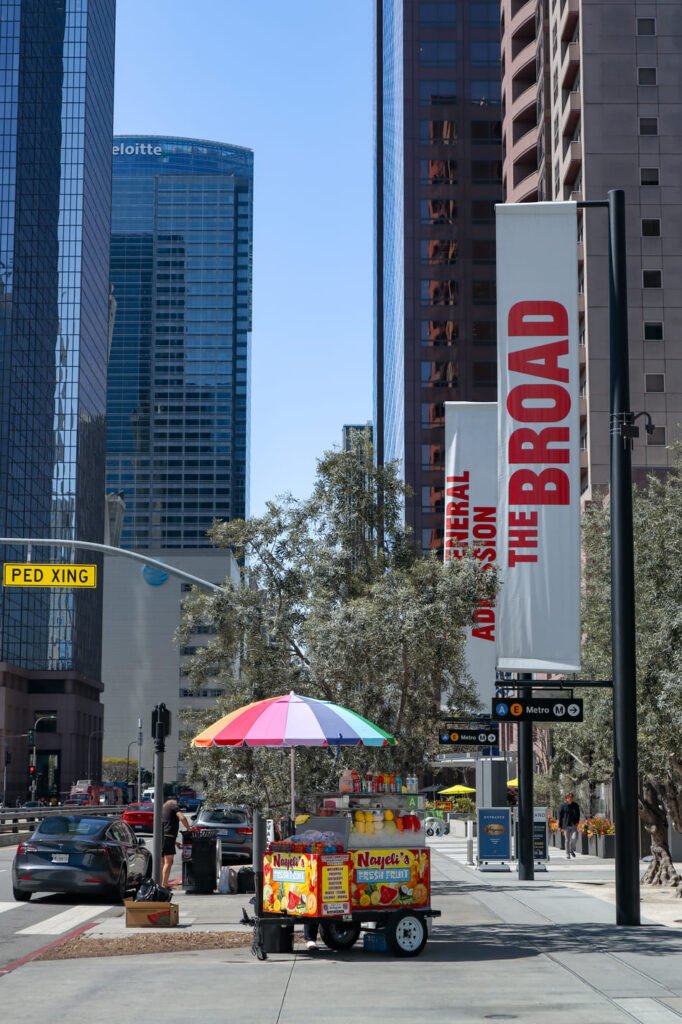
(390, 878)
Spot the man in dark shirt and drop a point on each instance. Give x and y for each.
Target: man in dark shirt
(171, 819)
(569, 816)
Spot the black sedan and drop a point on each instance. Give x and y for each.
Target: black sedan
(234, 828)
(76, 854)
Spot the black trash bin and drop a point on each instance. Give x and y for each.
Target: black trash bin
(278, 935)
(201, 860)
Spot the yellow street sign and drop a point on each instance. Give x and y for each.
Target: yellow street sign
(31, 574)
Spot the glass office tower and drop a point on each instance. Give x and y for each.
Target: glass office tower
(57, 76)
(178, 394)
(438, 175)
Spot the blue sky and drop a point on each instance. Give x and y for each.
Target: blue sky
(293, 82)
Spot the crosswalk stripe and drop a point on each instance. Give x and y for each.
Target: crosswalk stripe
(11, 906)
(64, 922)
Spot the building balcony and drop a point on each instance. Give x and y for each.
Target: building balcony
(522, 18)
(581, 302)
(525, 145)
(524, 102)
(526, 189)
(584, 464)
(524, 60)
(570, 12)
(571, 113)
(570, 65)
(573, 159)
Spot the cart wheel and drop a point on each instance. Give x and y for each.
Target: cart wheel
(406, 933)
(339, 934)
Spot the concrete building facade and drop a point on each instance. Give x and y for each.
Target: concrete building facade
(598, 88)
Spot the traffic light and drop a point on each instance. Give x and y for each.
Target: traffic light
(8, 757)
(31, 771)
(31, 737)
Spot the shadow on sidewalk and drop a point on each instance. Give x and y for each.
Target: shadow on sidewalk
(510, 942)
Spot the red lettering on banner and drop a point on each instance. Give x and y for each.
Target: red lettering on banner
(554, 319)
(456, 516)
(546, 401)
(528, 445)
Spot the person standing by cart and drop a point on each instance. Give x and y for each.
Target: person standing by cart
(171, 819)
(569, 816)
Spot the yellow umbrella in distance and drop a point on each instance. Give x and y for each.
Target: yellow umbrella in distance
(513, 783)
(456, 790)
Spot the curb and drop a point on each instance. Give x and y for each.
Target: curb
(37, 953)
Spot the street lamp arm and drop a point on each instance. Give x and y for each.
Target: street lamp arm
(109, 549)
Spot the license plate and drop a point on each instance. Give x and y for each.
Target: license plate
(60, 858)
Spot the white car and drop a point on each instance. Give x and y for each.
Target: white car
(436, 827)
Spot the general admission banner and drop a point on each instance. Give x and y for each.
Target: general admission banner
(471, 518)
(538, 621)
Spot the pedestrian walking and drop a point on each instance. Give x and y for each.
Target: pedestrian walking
(569, 816)
(171, 819)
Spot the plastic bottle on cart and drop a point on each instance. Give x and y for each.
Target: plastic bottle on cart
(398, 784)
(346, 781)
(380, 783)
(356, 781)
(369, 783)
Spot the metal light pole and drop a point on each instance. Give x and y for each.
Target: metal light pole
(34, 780)
(91, 737)
(128, 766)
(525, 766)
(622, 579)
(139, 759)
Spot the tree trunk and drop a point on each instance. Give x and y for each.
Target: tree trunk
(661, 870)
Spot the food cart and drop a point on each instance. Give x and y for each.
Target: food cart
(360, 863)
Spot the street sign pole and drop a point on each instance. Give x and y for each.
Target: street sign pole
(525, 744)
(139, 759)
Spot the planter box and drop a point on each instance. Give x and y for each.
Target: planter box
(583, 846)
(606, 847)
(592, 846)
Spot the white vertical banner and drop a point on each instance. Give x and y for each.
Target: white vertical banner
(471, 519)
(538, 438)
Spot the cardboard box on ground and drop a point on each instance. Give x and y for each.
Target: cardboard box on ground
(151, 915)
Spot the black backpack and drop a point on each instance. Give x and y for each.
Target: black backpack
(151, 892)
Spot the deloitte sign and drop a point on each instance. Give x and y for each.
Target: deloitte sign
(138, 149)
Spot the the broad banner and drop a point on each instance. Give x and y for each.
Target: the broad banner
(471, 518)
(538, 607)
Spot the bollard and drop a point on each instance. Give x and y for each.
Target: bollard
(470, 842)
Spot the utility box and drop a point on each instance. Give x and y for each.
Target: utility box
(491, 782)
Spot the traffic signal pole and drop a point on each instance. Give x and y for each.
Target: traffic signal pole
(525, 816)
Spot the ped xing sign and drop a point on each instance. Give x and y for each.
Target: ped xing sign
(470, 736)
(534, 710)
(32, 574)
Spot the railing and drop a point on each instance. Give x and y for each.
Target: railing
(23, 820)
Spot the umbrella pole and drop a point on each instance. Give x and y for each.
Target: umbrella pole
(292, 760)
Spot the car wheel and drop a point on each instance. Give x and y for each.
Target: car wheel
(406, 934)
(338, 935)
(429, 831)
(20, 895)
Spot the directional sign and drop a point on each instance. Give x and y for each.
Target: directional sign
(31, 574)
(566, 709)
(472, 735)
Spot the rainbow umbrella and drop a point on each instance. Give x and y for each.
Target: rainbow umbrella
(293, 721)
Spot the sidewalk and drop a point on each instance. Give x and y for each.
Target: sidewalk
(503, 950)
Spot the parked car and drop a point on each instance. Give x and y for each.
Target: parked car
(234, 828)
(140, 817)
(76, 854)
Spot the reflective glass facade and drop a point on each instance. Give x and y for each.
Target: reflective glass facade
(178, 394)
(56, 77)
(438, 175)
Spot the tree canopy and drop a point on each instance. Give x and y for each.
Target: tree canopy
(584, 752)
(334, 602)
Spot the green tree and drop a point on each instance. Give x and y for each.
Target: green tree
(584, 752)
(334, 602)
(114, 769)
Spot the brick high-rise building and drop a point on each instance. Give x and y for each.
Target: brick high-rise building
(438, 177)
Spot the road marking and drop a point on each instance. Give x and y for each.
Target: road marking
(649, 1011)
(11, 906)
(64, 922)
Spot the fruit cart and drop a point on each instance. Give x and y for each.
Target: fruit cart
(369, 870)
